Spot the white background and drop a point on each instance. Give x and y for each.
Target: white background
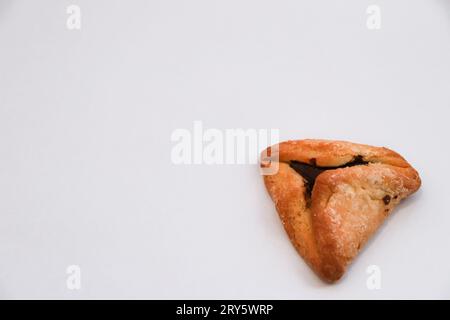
(86, 117)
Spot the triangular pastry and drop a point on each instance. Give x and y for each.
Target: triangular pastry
(333, 195)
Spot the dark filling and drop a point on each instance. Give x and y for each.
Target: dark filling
(311, 171)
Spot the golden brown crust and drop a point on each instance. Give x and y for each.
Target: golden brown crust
(346, 206)
(329, 153)
(284, 189)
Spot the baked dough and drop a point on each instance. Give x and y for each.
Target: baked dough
(333, 195)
